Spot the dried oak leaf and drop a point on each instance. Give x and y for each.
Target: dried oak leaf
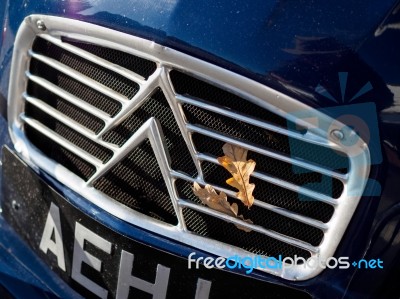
(215, 201)
(218, 202)
(235, 161)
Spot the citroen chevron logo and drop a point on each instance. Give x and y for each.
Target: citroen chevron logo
(343, 79)
(152, 131)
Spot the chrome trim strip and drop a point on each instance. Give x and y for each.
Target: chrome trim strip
(281, 183)
(68, 121)
(62, 141)
(281, 211)
(93, 58)
(129, 107)
(166, 85)
(69, 97)
(262, 124)
(74, 74)
(256, 228)
(133, 142)
(265, 152)
(167, 59)
(59, 116)
(289, 214)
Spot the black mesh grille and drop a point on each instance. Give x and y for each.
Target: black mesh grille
(158, 107)
(254, 242)
(187, 85)
(281, 197)
(71, 111)
(75, 87)
(71, 135)
(260, 137)
(136, 64)
(102, 75)
(137, 183)
(59, 154)
(294, 174)
(214, 174)
(264, 218)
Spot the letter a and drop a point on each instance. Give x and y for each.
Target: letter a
(53, 224)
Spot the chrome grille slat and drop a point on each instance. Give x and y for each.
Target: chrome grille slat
(262, 124)
(284, 212)
(59, 116)
(275, 235)
(259, 203)
(121, 152)
(133, 104)
(166, 85)
(95, 59)
(269, 153)
(87, 81)
(280, 183)
(69, 97)
(165, 61)
(62, 141)
(67, 121)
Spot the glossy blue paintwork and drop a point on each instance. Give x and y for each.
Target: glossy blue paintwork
(289, 45)
(259, 38)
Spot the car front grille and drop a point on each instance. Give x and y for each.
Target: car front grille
(139, 130)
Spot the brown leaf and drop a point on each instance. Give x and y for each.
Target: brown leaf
(218, 202)
(247, 230)
(215, 201)
(235, 161)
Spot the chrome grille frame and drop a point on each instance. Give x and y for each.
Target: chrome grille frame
(168, 59)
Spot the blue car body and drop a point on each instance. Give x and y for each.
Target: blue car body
(290, 46)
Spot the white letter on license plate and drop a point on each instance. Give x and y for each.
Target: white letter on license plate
(127, 280)
(203, 289)
(53, 224)
(80, 255)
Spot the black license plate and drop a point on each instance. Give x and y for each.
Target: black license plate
(100, 262)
